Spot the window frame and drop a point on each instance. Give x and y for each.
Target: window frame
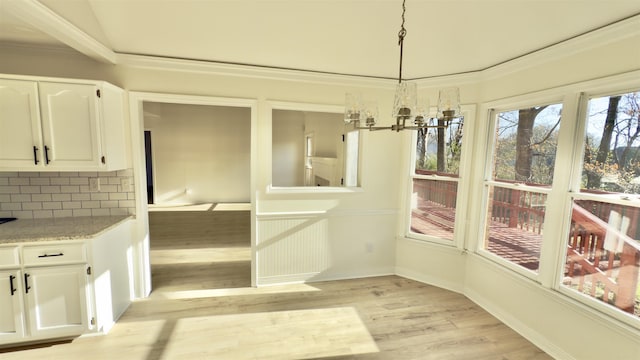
(608, 87)
(462, 202)
(567, 176)
(493, 110)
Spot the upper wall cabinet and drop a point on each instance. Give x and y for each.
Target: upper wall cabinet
(59, 126)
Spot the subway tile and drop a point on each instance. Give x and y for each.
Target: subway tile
(69, 189)
(50, 174)
(6, 214)
(51, 189)
(99, 196)
(79, 181)
(9, 174)
(52, 205)
(18, 181)
(80, 197)
(5, 198)
(39, 181)
(113, 181)
(61, 197)
(32, 206)
(85, 189)
(118, 196)
(91, 204)
(10, 206)
(109, 204)
(4, 181)
(71, 205)
(9, 189)
(60, 181)
(41, 197)
(109, 188)
(19, 198)
(28, 174)
(88, 174)
(68, 174)
(29, 189)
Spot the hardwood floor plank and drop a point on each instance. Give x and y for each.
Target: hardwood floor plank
(202, 307)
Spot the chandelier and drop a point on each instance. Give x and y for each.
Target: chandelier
(409, 114)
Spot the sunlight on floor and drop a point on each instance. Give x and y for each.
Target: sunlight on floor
(210, 293)
(203, 255)
(312, 333)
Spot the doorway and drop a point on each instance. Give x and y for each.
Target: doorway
(185, 203)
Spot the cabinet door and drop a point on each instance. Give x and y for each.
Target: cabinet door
(12, 309)
(20, 138)
(56, 300)
(70, 125)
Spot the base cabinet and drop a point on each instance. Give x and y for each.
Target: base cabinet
(12, 310)
(45, 295)
(56, 300)
(62, 289)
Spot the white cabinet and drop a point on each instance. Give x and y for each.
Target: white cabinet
(61, 126)
(56, 300)
(45, 296)
(12, 309)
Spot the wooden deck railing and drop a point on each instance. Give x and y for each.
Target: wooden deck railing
(610, 267)
(592, 266)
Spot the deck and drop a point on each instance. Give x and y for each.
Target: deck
(610, 276)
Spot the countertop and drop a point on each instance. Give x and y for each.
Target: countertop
(69, 228)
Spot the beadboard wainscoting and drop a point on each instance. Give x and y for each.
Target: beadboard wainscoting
(317, 246)
(36, 195)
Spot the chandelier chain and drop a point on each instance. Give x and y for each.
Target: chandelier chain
(401, 34)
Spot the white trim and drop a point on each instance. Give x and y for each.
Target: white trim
(257, 72)
(44, 19)
(280, 215)
(614, 32)
(141, 246)
(429, 279)
(518, 326)
(318, 277)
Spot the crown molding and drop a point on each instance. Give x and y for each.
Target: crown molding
(250, 71)
(42, 18)
(617, 31)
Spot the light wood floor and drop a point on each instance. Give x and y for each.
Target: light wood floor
(202, 307)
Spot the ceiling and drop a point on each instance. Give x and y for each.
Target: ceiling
(354, 37)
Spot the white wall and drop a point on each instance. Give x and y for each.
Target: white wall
(201, 153)
(288, 147)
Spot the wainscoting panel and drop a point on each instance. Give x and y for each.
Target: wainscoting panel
(308, 247)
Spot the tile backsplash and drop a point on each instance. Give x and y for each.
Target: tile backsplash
(34, 195)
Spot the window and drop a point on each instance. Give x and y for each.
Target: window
(603, 248)
(435, 179)
(521, 174)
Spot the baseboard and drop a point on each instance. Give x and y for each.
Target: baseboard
(430, 280)
(320, 276)
(528, 333)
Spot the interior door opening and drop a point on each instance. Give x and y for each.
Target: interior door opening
(148, 155)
